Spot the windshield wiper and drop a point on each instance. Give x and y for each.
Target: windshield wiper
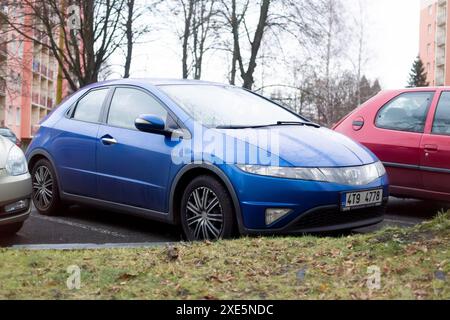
(279, 123)
(237, 127)
(288, 123)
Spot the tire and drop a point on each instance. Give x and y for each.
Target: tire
(213, 221)
(10, 229)
(46, 197)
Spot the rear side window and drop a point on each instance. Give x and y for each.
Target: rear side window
(128, 104)
(89, 107)
(407, 112)
(441, 123)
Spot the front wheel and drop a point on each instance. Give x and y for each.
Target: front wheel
(45, 188)
(207, 211)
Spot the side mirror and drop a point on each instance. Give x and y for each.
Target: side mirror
(154, 124)
(150, 123)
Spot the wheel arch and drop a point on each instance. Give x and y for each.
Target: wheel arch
(39, 154)
(187, 174)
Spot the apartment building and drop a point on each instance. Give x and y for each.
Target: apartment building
(434, 40)
(28, 80)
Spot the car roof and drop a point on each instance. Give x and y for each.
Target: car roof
(417, 89)
(157, 82)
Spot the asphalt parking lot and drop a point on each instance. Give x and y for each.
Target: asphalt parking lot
(87, 227)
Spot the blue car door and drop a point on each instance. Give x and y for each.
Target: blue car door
(133, 166)
(74, 146)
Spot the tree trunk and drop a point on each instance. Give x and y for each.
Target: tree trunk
(187, 32)
(90, 74)
(247, 77)
(129, 36)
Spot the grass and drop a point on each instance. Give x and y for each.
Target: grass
(414, 263)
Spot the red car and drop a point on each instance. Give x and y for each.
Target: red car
(409, 130)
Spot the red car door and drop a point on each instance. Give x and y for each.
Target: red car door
(396, 135)
(435, 149)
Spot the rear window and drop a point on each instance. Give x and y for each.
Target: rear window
(90, 106)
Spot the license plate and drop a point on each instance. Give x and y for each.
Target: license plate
(361, 199)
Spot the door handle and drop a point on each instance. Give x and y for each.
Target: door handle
(431, 148)
(108, 140)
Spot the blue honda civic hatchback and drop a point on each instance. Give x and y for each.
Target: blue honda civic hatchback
(216, 159)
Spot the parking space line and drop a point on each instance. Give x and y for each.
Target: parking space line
(79, 225)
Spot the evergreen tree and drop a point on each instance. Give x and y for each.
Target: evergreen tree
(418, 76)
(376, 87)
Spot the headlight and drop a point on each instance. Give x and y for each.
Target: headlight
(355, 176)
(16, 164)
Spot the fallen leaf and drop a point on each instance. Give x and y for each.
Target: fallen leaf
(126, 276)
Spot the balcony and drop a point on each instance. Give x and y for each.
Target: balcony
(49, 103)
(440, 60)
(442, 3)
(441, 39)
(440, 80)
(36, 66)
(35, 98)
(442, 18)
(44, 70)
(43, 101)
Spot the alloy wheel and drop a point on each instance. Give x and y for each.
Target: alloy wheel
(204, 214)
(42, 188)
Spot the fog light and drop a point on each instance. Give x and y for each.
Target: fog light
(17, 206)
(273, 214)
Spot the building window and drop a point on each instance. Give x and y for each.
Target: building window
(429, 29)
(18, 117)
(10, 115)
(428, 67)
(428, 49)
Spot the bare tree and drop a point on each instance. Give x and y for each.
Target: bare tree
(274, 18)
(81, 36)
(198, 33)
(328, 76)
(130, 16)
(360, 37)
(236, 20)
(135, 27)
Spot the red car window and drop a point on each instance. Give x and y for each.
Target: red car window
(441, 123)
(406, 112)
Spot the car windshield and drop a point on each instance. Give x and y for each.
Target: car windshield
(225, 106)
(6, 133)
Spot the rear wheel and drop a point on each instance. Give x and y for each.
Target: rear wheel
(45, 189)
(207, 211)
(10, 229)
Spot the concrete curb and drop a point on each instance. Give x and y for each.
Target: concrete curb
(91, 246)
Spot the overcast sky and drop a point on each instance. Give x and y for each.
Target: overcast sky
(394, 38)
(392, 43)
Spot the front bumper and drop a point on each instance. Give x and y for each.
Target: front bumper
(329, 218)
(13, 189)
(315, 206)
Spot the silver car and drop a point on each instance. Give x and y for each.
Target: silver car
(15, 188)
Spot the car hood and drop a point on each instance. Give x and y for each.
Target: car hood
(304, 146)
(5, 146)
